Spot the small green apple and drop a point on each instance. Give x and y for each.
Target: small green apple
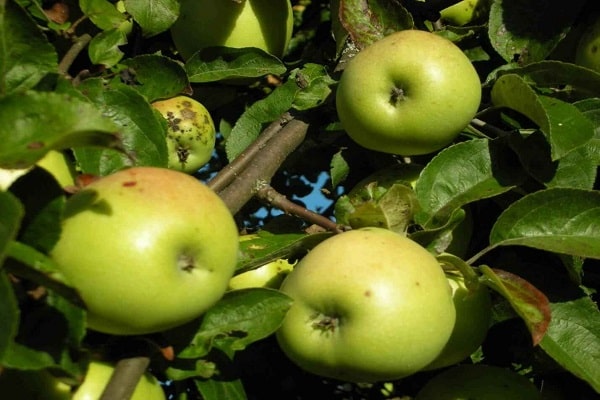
(473, 318)
(270, 275)
(264, 24)
(587, 53)
(465, 11)
(148, 249)
(191, 132)
(410, 93)
(55, 162)
(369, 305)
(478, 382)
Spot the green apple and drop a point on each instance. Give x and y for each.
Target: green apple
(55, 162)
(587, 53)
(148, 249)
(190, 132)
(473, 317)
(42, 385)
(270, 275)
(410, 93)
(369, 305)
(465, 11)
(478, 382)
(264, 24)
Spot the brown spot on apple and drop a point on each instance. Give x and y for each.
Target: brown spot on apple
(129, 183)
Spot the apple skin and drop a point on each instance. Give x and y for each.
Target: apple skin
(264, 24)
(55, 162)
(587, 53)
(465, 11)
(369, 305)
(478, 382)
(410, 93)
(191, 133)
(473, 318)
(42, 385)
(270, 275)
(148, 249)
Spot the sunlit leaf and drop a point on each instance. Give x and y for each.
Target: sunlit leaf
(154, 16)
(560, 220)
(104, 48)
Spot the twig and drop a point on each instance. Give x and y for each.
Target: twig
(268, 194)
(229, 172)
(70, 56)
(125, 378)
(261, 169)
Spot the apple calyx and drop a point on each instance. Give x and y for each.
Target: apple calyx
(186, 262)
(397, 95)
(325, 323)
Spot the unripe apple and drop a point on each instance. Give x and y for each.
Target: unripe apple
(478, 381)
(148, 249)
(55, 162)
(270, 275)
(473, 317)
(465, 11)
(410, 93)
(588, 49)
(190, 132)
(264, 24)
(369, 305)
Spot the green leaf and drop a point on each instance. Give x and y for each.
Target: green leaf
(591, 109)
(573, 338)
(141, 129)
(35, 122)
(104, 47)
(213, 389)
(102, 13)
(559, 220)
(240, 318)
(368, 22)
(12, 212)
(154, 16)
(265, 247)
(463, 173)
(314, 84)
(565, 127)
(528, 31)
(338, 168)
(9, 314)
(155, 77)
(25, 54)
(218, 63)
(526, 300)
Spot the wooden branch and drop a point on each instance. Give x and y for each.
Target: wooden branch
(125, 378)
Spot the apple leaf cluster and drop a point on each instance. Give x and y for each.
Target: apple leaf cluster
(79, 78)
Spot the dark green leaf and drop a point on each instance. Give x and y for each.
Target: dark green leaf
(141, 129)
(102, 13)
(104, 48)
(35, 122)
(591, 109)
(527, 301)
(240, 318)
(565, 127)
(560, 220)
(219, 63)
(155, 77)
(368, 22)
(573, 338)
(25, 54)
(212, 389)
(528, 31)
(463, 173)
(9, 314)
(154, 16)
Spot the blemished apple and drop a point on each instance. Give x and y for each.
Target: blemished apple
(42, 385)
(264, 24)
(473, 318)
(191, 133)
(410, 93)
(148, 249)
(369, 305)
(587, 53)
(478, 381)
